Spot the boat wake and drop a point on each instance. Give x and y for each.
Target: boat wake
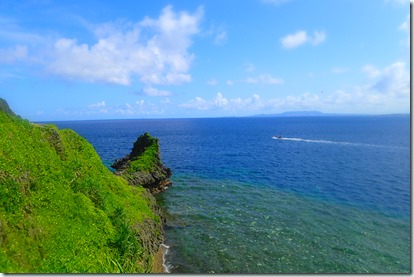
(326, 141)
(312, 140)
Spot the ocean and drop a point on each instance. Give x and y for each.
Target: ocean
(331, 196)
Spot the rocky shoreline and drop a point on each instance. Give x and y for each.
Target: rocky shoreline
(143, 167)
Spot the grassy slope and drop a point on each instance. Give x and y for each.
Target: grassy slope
(61, 209)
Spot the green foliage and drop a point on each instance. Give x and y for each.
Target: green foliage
(4, 107)
(61, 209)
(147, 160)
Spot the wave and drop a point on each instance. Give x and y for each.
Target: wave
(167, 266)
(330, 142)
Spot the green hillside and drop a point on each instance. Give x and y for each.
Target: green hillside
(62, 210)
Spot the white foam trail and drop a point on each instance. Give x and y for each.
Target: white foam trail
(164, 261)
(315, 141)
(328, 141)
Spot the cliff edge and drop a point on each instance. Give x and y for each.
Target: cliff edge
(143, 166)
(63, 211)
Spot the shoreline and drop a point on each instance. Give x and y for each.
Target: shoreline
(159, 263)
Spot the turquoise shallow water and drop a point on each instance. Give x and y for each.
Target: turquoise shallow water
(332, 197)
(246, 229)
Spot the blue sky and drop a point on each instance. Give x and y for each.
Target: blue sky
(69, 60)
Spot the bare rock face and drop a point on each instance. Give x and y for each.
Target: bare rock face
(143, 166)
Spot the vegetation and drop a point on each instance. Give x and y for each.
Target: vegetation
(62, 210)
(4, 107)
(146, 160)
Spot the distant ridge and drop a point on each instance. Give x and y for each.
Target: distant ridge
(318, 113)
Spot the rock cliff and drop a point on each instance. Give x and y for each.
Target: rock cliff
(143, 166)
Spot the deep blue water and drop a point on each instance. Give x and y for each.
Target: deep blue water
(332, 196)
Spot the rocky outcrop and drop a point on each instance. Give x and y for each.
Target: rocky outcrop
(143, 166)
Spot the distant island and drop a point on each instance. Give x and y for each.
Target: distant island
(312, 113)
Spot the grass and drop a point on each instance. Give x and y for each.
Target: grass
(147, 160)
(61, 209)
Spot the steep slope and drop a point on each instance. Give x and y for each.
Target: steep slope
(62, 210)
(4, 107)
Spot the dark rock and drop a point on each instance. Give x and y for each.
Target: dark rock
(143, 166)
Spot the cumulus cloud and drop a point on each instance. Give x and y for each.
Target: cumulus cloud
(301, 37)
(137, 108)
(221, 102)
(97, 105)
(252, 103)
(264, 79)
(156, 51)
(385, 90)
(294, 40)
(393, 80)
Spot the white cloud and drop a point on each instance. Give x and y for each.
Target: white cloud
(154, 50)
(229, 82)
(140, 107)
(212, 82)
(294, 40)
(97, 105)
(150, 91)
(222, 103)
(253, 103)
(385, 90)
(264, 79)
(301, 37)
(393, 80)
